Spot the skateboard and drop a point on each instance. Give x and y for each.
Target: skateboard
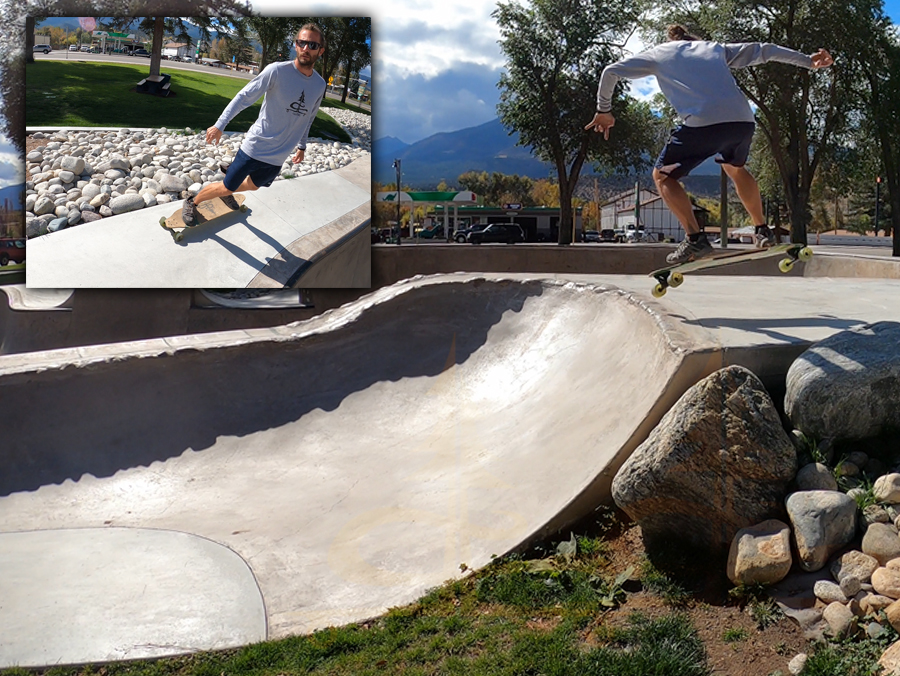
(673, 275)
(207, 211)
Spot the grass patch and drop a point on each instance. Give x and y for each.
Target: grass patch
(86, 94)
(661, 584)
(849, 657)
(734, 635)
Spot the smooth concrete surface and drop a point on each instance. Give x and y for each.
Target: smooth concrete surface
(103, 594)
(356, 459)
(132, 250)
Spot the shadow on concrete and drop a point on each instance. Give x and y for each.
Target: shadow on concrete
(97, 419)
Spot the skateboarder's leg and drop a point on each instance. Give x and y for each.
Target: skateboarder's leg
(677, 200)
(747, 191)
(219, 189)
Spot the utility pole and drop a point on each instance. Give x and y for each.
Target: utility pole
(396, 166)
(877, 201)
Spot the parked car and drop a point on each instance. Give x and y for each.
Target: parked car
(462, 235)
(140, 52)
(498, 232)
(608, 235)
(46, 49)
(73, 48)
(590, 236)
(11, 249)
(85, 48)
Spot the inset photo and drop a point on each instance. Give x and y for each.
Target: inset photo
(198, 152)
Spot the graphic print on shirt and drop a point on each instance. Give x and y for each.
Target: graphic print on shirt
(298, 107)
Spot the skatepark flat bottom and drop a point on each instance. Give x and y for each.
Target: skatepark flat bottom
(355, 460)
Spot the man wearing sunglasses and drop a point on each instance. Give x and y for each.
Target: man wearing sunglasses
(293, 92)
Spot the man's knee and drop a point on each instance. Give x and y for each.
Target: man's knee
(248, 184)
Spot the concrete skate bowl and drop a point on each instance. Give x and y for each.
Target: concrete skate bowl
(356, 459)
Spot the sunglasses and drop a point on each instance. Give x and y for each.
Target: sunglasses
(307, 44)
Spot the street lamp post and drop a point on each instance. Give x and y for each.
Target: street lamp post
(396, 166)
(877, 201)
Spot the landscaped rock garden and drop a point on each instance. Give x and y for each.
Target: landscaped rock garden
(804, 502)
(80, 176)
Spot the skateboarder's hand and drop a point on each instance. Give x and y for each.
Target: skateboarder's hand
(821, 59)
(298, 156)
(602, 122)
(213, 134)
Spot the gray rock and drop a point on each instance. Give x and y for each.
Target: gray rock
(35, 156)
(74, 217)
(797, 664)
(72, 164)
(43, 205)
(816, 477)
(829, 592)
(823, 522)
(90, 191)
(35, 227)
(66, 176)
(718, 461)
(114, 174)
(881, 542)
(90, 216)
(848, 385)
(57, 224)
(126, 203)
(170, 183)
(105, 211)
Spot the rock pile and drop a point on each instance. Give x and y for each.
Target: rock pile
(721, 473)
(83, 176)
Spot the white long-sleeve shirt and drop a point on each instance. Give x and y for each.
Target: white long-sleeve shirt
(291, 103)
(695, 77)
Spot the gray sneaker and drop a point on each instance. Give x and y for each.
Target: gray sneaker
(231, 203)
(765, 237)
(689, 251)
(189, 213)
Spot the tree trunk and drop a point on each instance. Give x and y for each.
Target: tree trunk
(29, 39)
(156, 51)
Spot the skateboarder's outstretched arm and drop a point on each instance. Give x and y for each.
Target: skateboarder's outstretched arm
(250, 94)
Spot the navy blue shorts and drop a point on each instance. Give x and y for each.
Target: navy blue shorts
(261, 173)
(688, 147)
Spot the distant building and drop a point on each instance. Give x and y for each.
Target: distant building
(540, 224)
(177, 49)
(653, 216)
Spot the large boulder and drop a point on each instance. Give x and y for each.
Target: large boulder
(718, 461)
(848, 385)
(823, 522)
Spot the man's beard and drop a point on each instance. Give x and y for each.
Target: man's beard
(307, 59)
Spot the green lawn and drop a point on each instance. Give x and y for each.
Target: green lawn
(86, 94)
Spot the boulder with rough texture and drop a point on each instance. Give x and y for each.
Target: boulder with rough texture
(823, 522)
(848, 385)
(854, 564)
(126, 203)
(171, 183)
(840, 619)
(816, 477)
(73, 164)
(881, 542)
(760, 554)
(829, 592)
(887, 582)
(887, 488)
(718, 461)
(890, 660)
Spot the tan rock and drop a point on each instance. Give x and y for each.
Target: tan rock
(872, 603)
(893, 614)
(840, 619)
(760, 554)
(890, 660)
(893, 564)
(854, 564)
(887, 582)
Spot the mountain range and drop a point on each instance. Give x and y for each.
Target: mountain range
(490, 147)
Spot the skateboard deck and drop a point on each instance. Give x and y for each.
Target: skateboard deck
(208, 211)
(673, 275)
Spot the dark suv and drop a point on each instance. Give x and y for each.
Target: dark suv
(498, 232)
(11, 249)
(462, 235)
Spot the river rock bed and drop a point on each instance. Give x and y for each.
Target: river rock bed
(79, 176)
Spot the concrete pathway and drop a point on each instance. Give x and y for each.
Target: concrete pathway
(288, 227)
(354, 460)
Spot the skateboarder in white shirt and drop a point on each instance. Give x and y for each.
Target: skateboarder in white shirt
(293, 92)
(695, 77)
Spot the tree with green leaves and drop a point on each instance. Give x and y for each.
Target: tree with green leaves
(497, 188)
(555, 51)
(275, 35)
